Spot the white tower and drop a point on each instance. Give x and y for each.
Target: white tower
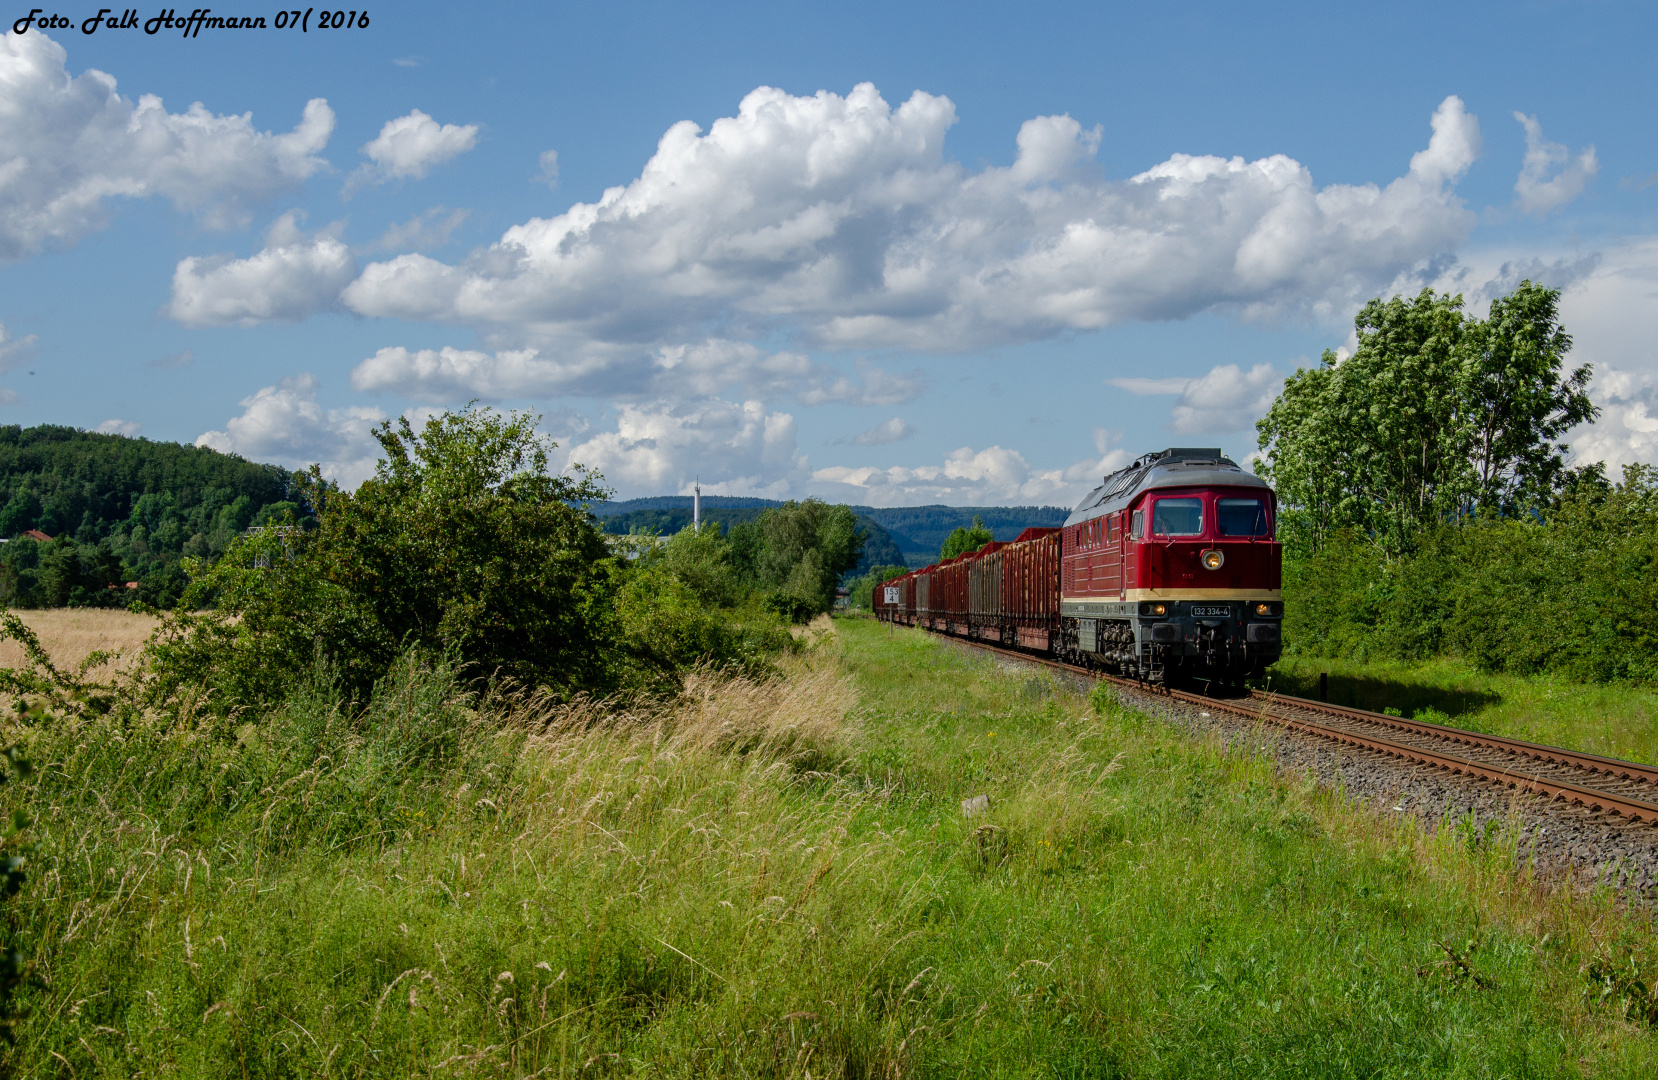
(696, 506)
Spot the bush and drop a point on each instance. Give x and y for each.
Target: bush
(463, 543)
(1574, 593)
(791, 607)
(667, 629)
(701, 560)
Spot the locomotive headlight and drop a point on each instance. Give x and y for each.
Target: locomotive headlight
(1266, 609)
(1213, 559)
(1154, 609)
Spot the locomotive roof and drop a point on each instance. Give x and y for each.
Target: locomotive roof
(1178, 466)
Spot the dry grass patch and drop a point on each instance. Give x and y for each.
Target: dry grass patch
(69, 635)
(819, 629)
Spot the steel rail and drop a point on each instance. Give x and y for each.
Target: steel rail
(1265, 709)
(1632, 771)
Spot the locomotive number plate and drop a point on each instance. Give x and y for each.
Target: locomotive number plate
(1211, 612)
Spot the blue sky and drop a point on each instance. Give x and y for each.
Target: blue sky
(881, 253)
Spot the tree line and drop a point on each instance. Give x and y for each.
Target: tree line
(466, 546)
(787, 559)
(1427, 507)
(878, 547)
(119, 509)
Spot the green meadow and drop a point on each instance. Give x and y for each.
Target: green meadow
(776, 878)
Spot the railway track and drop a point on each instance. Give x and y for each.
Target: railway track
(1599, 784)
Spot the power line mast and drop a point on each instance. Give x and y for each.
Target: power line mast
(696, 506)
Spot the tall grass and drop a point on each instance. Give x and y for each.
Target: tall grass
(768, 878)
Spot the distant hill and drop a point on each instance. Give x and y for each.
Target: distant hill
(879, 549)
(919, 531)
(120, 509)
(916, 532)
(676, 502)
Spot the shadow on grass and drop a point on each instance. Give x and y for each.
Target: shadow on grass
(1379, 694)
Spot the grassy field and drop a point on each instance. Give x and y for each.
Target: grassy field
(69, 635)
(776, 880)
(1612, 720)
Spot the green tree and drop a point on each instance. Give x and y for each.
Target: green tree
(464, 541)
(962, 540)
(1435, 415)
(700, 560)
(1518, 400)
(801, 549)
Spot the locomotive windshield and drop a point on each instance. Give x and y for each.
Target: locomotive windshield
(1178, 517)
(1241, 517)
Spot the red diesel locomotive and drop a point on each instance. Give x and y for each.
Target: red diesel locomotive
(1167, 572)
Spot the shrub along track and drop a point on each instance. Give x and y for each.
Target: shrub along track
(1582, 817)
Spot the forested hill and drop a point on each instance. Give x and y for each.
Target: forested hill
(920, 530)
(119, 509)
(879, 548)
(916, 533)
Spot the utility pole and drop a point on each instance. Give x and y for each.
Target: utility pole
(696, 507)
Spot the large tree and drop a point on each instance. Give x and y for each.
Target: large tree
(963, 540)
(464, 541)
(798, 550)
(1518, 400)
(1435, 414)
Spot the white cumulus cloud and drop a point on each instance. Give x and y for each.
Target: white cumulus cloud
(1550, 177)
(1612, 314)
(1225, 399)
(840, 220)
(548, 173)
(411, 146)
(737, 448)
(295, 276)
(887, 431)
(967, 477)
(128, 428)
(750, 448)
(284, 424)
(69, 144)
(705, 369)
(1627, 430)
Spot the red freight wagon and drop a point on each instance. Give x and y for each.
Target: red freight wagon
(958, 576)
(894, 600)
(984, 592)
(924, 596)
(1030, 588)
(949, 597)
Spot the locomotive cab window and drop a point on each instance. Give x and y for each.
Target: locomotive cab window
(1242, 517)
(1177, 517)
(1137, 525)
